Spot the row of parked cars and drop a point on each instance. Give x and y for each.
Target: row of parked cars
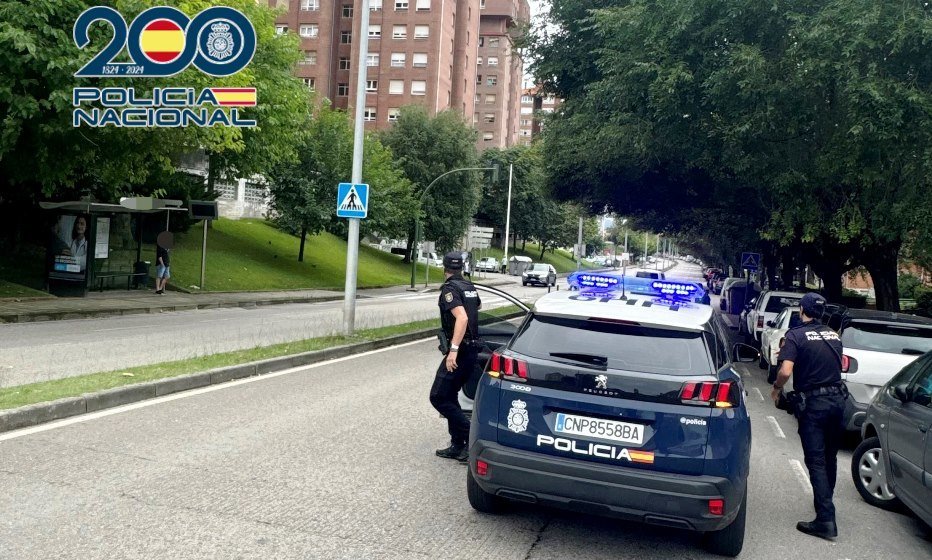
(887, 368)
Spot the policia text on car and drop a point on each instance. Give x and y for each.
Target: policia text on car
(459, 321)
(812, 355)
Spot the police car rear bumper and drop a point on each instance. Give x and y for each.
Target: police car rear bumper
(652, 497)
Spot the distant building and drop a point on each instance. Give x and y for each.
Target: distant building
(533, 106)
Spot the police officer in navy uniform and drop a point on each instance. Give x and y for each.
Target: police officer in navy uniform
(459, 318)
(812, 355)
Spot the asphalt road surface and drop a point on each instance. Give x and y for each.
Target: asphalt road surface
(336, 460)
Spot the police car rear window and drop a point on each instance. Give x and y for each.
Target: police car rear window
(894, 339)
(776, 304)
(625, 347)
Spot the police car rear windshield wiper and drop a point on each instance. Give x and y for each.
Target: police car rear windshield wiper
(591, 359)
(912, 351)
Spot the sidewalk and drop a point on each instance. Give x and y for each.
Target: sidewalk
(132, 302)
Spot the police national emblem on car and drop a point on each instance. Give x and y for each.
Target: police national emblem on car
(517, 416)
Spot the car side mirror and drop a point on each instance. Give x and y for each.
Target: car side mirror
(771, 324)
(744, 353)
(901, 392)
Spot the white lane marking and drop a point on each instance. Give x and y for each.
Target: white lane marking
(801, 475)
(152, 326)
(776, 427)
(759, 394)
(209, 389)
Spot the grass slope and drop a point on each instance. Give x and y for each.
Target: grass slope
(251, 255)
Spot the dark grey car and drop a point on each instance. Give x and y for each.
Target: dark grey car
(893, 465)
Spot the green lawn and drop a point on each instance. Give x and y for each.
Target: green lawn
(11, 290)
(22, 273)
(251, 255)
(561, 260)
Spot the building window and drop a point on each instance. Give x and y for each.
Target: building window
(310, 5)
(475, 118)
(478, 100)
(490, 99)
(479, 61)
(281, 29)
(309, 30)
(393, 114)
(491, 80)
(421, 31)
(310, 83)
(527, 110)
(372, 86)
(346, 37)
(525, 122)
(493, 61)
(400, 32)
(488, 137)
(375, 5)
(369, 115)
(420, 60)
(372, 60)
(342, 90)
(481, 41)
(396, 87)
(493, 42)
(527, 99)
(525, 133)
(481, 4)
(423, 5)
(478, 79)
(310, 58)
(489, 118)
(347, 10)
(418, 87)
(398, 60)
(344, 63)
(375, 31)
(549, 101)
(401, 5)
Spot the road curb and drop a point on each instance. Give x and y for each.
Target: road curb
(40, 413)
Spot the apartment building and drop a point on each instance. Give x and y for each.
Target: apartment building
(423, 52)
(534, 106)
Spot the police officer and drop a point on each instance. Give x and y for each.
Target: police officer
(459, 318)
(812, 356)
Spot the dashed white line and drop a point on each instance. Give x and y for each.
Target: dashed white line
(776, 427)
(801, 475)
(759, 394)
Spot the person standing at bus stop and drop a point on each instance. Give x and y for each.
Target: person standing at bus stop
(162, 270)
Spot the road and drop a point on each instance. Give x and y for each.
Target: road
(336, 460)
(31, 352)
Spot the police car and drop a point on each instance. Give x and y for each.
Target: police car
(617, 398)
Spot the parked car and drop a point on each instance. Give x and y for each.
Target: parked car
(718, 280)
(652, 274)
(487, 264)
(893, 463)
(769, 304)
(539, 273)
(742, 318)
(771, 339)
(878, 344)
(430, 258)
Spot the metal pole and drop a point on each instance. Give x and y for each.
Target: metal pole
(415, 254)
(579, 248)
(511, 169)
(646, 240)
(352, 241)
(658, 252)
(167, 216)
(626, 240)
(204, 255)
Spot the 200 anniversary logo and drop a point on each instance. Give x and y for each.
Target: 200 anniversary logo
(162, 41)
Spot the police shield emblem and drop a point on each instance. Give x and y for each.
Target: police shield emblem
(448, 297)
(220, 42)
(517, 416)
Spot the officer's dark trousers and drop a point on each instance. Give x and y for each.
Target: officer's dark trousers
(443, 393)
(821, 429)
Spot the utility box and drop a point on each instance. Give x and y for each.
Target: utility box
(517, 265)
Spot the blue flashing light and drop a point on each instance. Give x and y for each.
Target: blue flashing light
(668, 288)
(674, 290)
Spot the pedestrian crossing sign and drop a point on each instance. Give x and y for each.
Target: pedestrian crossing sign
(750, 261)
(352, 200)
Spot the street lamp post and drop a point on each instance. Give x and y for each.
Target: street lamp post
(417, 215)
(659, 235)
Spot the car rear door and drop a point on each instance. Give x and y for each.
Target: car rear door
(499, 318)
(908, 438)
(609, 392)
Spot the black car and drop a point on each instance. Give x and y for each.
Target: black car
(893, 465)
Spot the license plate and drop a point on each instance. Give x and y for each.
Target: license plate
(613, 430)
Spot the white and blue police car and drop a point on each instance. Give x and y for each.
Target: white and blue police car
(618, 398)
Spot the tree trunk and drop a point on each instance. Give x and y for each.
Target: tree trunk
(409, 252)
(211, 181)
(303, 237)
(543, 248)
(881, 262)
(523, 243)
(788, 272)
(829, 265)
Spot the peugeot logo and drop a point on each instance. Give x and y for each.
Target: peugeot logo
(601, 382)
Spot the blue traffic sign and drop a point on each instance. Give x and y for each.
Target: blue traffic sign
(352, 200)
(750, 261)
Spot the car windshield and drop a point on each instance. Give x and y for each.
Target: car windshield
(894, 339)
(538, 268)
(624, 347)
(776, 304)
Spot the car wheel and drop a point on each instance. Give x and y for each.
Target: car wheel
(524, 283)
(870, 477)
(730, 540)
(479, 499)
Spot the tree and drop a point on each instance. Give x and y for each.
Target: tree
(529, 189)
(426, 147)
(304, 192)
(43, 156)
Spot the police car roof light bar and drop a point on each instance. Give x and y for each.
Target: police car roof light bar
(682, 291)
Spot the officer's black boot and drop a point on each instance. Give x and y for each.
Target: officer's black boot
(457, 452)
(821, 529)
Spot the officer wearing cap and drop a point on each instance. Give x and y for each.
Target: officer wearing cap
(459, 318)
(812, 355)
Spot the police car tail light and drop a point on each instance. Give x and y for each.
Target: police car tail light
(760, 322)
(495, 365)
(482, 468)
(707, 393)
(514, 367)
(717, 507)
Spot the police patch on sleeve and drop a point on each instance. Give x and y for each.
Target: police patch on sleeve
(448, 297)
